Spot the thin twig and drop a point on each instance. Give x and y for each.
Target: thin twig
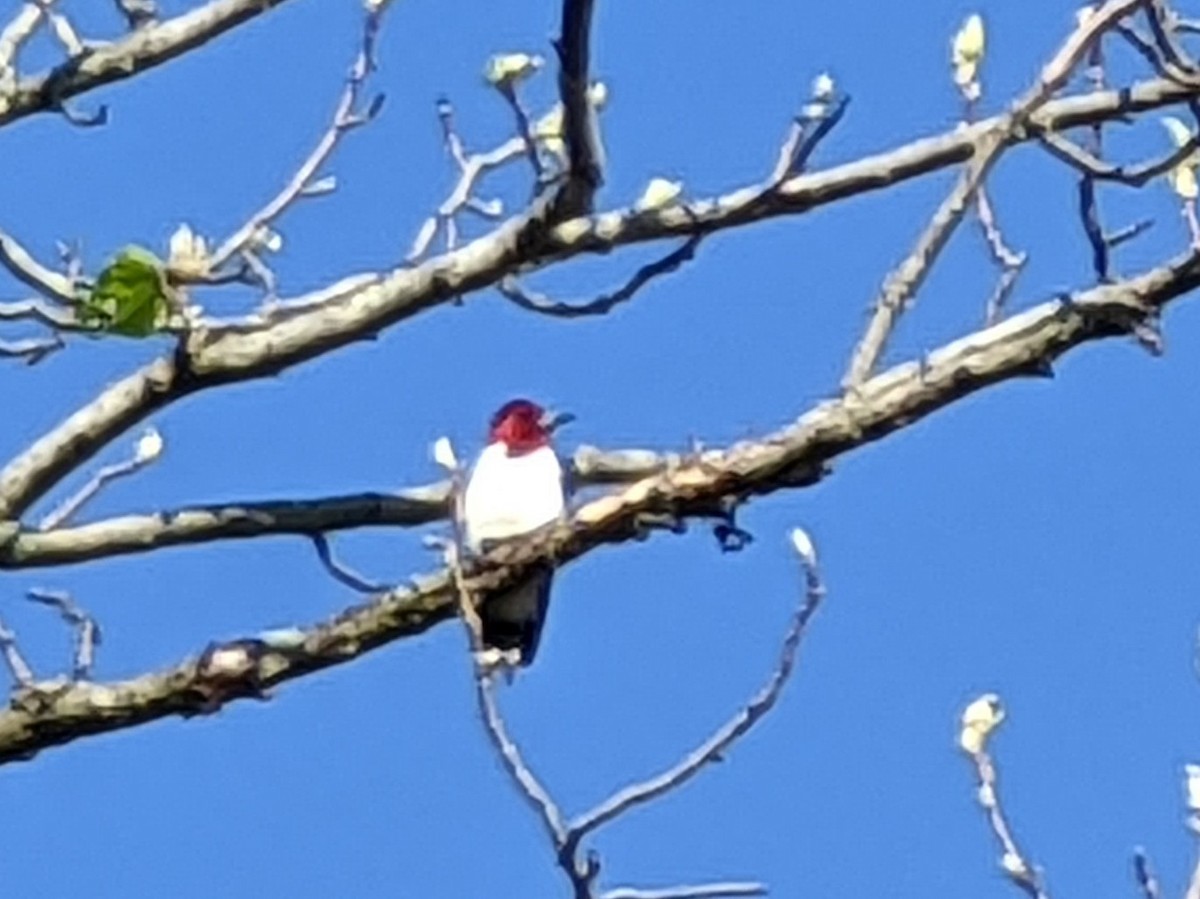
(21, 673)
(340, 572)
(57, 317)
(139, 460)
(32, 350)
(508, 91)
(63, 30)
(87, 631)
(1135, 176)
(1009, 261)
(1144, 875)
(819, 116)
(138, 12)
(716, 746)
(906, 279)
(980, 719)
(700, 891)
(510, 288)
(20, 28)
(345, 118)
(25, 268)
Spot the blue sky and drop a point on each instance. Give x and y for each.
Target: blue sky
(1036, 539)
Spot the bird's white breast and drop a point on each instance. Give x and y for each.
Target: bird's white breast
(511, 495)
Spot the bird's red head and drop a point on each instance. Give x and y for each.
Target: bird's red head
(523, 426)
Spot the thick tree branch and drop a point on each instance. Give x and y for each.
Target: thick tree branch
(1023, 345)
(148, 46)
(580, 133)
(360, 306)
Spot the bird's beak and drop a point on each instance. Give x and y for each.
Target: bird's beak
(552, 421)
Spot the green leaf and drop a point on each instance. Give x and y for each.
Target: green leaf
(130, 296)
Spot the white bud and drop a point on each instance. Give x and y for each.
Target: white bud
(970, 42)
(1182, 178)
(187, 251)
(658, 193)
(803, 545)
(507, 69)
(375, 6)
(228, 660)
(1014, 865)
(823, 87)
(979, 719)
(265, 238)
(320, 187)
(443, 454)
(1083, 14)
(1180, 133)
(598, 94)
(283, 638)
(1192, 787)
(149, 446)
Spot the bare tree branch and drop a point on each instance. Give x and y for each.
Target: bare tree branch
(603, 304)
(138, 51)
(719, 743)
(31, 350)
(1023, 345)
(704, 891)
(24, 267)
(584, 173)
(360, 306)
(346, 117)
(87, 631)
(25, 548)
(1144, 875)
(22, 674)
(140, 459)
(340, 572)
(906, 279)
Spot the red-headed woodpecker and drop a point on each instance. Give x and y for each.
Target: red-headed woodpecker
(515, 487)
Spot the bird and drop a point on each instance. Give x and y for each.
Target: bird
(516, 486)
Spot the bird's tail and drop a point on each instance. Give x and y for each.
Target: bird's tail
(513, 620)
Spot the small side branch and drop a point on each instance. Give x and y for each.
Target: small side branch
(819, 116)
(340, 572)
(1144, 875)
(22, 674)
(1007, 260)
(704, 891)
(346, 117)
(510, 288)
(716, 746)
(31, 350)
(22, 266)
(580, 132)
(979, 720)
(87, 631)
(147, 449)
